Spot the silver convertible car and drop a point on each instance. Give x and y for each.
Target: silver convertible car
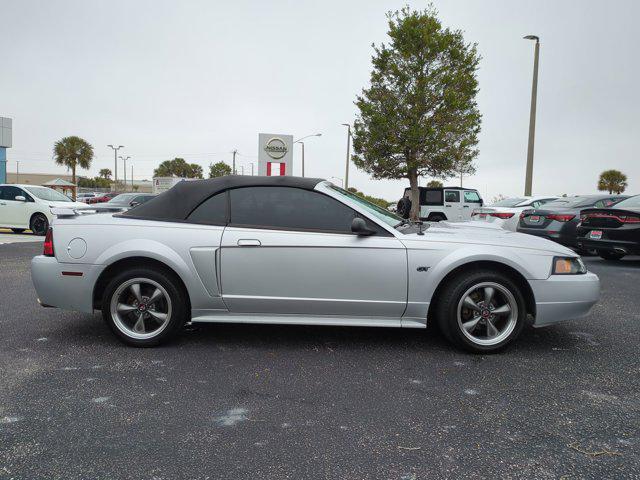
(302, 251)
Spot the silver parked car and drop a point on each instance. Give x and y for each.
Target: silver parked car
(302, 251)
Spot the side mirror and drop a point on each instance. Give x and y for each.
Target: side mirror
(359, 227)
(134, 204)
(20, 198)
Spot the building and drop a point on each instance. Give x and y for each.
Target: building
(35, 178)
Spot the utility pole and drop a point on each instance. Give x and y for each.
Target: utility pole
(346, 173)
(132, 178)
(233, 170)
(242, 169)
(115, 159)
(124, 160)
(302, 143)
(18, 171)
(532, 117)
(252, 169)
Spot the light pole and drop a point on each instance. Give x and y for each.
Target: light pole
(341, 181)
(124, 160)
(115, 158)
(532, 117)
(302, 143)
(346, 172)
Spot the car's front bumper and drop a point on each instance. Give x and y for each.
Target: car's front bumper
(564, 297)
(64, 285)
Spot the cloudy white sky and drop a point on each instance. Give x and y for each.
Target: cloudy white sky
(198, 79)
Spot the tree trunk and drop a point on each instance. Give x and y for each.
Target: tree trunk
(415, 195)
(74, 195)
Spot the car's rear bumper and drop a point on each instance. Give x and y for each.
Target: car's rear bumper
(618, 246)
(564, 297)
(568, 240)
(64, 285)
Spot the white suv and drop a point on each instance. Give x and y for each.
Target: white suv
(454, 204)
(25, 207)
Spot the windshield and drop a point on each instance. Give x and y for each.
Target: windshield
(633, 202)
(508, 202)
(380, 213)
(48, 194)
(123, 198)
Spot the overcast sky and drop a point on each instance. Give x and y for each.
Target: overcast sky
(197, 79)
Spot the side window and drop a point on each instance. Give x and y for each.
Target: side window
(452, 196)
(10, 193)
(471, 197)
(603, 203)
(289, 208)
(432, 197)
(212, 211)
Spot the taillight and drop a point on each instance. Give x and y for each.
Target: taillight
(522, 215)
(629, 219)
(560, 218)
(502, 215)
(47, 249)
(620, 218)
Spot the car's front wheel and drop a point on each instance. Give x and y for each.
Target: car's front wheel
(145, 306)
(39, 224)
(481, 312)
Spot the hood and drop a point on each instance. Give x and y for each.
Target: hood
(66, 204)
(482, 233)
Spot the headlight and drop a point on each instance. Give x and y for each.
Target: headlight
(568, 266)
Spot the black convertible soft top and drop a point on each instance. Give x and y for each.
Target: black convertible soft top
(181, 199)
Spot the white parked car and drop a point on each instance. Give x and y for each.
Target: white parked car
(289, 250)
(453, 204)
(84, 196)
(506, 213)
(25, 207)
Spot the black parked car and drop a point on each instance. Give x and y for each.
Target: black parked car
(613, 232)
(558, 220)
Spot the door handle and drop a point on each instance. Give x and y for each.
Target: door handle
(466, 206)
(248, 242)
(448, 206)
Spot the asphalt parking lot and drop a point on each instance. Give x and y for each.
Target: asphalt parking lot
(306, 402)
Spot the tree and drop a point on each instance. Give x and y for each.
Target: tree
(105, 173)
(435, 184)
(612, 181)
(73, 152)
(219, 169)
(419, 115)
(178, 168)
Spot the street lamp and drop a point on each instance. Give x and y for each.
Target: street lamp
(532, 117)
(341, 181)
(124, 160)
(302, 143)
(346, 173)
(115, 158)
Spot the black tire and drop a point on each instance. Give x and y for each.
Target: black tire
(451, 295)
(436, 217)
(178, 309)
(611, 256)
(39, 224)
(17, 230)
(404, 207)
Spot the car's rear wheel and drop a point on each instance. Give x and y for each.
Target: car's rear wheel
(404, 207)
(39, 224)
(481, 312)
(17, 230)
(609, 255)
(145, 306)
(436, 217)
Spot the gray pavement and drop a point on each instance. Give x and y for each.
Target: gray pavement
(304, 402)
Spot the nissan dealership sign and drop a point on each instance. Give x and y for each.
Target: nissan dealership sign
(275, 154)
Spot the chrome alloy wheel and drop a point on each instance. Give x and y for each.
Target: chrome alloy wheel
(141, 308)
(487, 313)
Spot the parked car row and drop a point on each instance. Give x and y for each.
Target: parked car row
(607, 224)
(28, 207)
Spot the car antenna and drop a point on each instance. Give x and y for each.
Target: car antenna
(420, 223)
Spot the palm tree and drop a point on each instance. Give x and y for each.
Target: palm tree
(73, 152)
(105, 173)
(612, 181)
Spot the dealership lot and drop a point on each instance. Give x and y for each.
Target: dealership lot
(299, 402)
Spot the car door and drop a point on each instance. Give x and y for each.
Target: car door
(471, 202)
(453, 208)
(291, 251)
(14, 213)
